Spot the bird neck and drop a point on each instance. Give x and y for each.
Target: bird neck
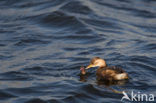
(102, 66)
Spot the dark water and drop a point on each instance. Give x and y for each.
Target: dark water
(43, 43)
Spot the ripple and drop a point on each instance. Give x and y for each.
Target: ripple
(14, 75)
(44, 43)
(5, 95)
(76, 7)
(37, 100)
(101, 24)
(30, 41)
(2, 57)
(143, 59)
(60, 19)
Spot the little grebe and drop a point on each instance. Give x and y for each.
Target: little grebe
(105, 72)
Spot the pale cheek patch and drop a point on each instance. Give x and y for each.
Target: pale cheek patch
(100, 64)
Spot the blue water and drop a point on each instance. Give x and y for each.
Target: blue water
(43, 43)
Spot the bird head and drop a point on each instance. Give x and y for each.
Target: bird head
(96, 62)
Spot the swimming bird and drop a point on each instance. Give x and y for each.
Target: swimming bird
(105, 72)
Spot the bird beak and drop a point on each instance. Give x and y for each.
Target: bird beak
(89, 66)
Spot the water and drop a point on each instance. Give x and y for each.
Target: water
(43, 43)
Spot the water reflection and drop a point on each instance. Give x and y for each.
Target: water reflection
(106, 84)
(83, 78)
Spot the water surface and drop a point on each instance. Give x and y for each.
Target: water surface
(43, 43)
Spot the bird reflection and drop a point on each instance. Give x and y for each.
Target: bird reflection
(83, 78)
(111, 83)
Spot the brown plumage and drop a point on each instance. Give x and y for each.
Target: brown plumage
(107, 73)
(83, 71)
